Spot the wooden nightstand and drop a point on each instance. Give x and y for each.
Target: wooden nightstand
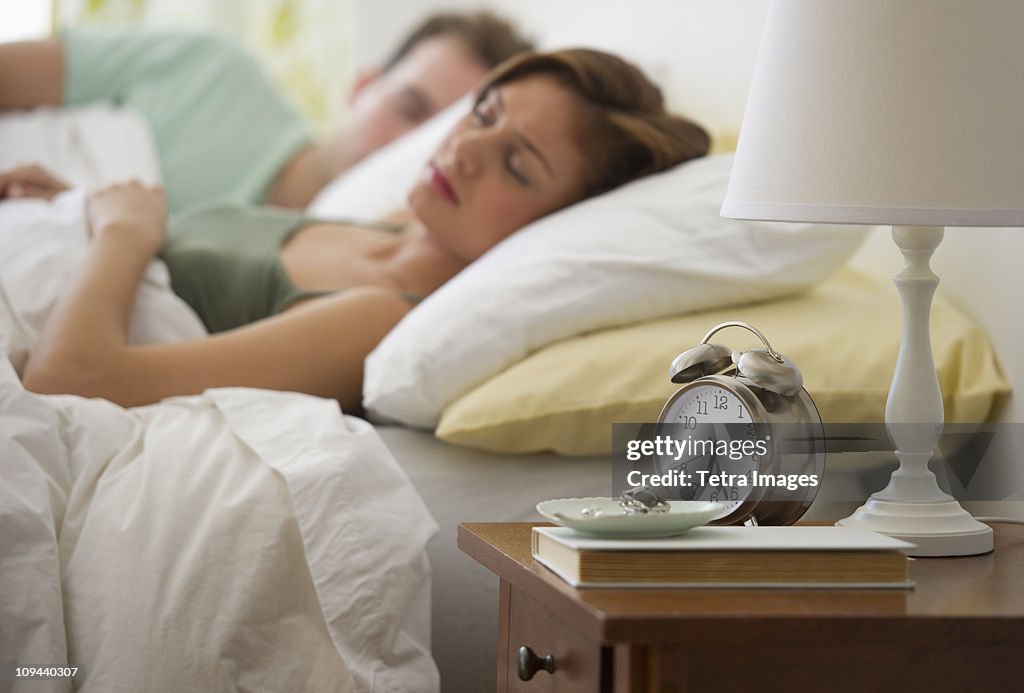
(960, 629)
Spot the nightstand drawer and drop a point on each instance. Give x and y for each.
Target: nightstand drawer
(577, 660)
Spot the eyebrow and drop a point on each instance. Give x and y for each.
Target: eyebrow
(523, 140)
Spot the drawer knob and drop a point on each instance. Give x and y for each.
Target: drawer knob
(528, 663)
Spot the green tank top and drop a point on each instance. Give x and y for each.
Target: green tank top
(225, 262)
(222, 130)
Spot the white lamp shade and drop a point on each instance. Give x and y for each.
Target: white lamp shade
(903, 112)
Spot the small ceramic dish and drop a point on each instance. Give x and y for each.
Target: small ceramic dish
(605, 517)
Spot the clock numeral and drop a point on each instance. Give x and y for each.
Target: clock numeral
(702, 407)
(739, 414)
(721, 402)
(689, 423)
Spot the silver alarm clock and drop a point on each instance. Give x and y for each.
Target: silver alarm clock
(745, 432)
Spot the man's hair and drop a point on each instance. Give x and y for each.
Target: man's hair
(489, 37)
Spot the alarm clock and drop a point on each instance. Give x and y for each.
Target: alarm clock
(743, 432)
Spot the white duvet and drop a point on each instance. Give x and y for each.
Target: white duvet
(237, 540)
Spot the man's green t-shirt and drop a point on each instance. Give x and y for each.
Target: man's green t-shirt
(222, 130)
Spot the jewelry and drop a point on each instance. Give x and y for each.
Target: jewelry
(642, 500)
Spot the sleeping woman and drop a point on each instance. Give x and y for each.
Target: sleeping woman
(297, 304)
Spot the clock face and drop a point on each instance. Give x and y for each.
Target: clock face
(715, 446)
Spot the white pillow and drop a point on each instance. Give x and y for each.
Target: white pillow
(653, 248)
(379, 184)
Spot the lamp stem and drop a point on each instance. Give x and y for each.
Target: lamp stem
(912, 506)
(914, 413)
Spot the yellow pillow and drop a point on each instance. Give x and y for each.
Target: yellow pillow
(844, 335)
(724, 141)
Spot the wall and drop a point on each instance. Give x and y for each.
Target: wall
(706, 71)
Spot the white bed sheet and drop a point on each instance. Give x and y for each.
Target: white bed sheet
(88, 146)
(237, 539)
(41, 243)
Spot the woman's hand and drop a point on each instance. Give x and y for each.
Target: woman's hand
(135, 211)
(30, 181)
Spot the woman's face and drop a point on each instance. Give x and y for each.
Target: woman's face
(513, 159)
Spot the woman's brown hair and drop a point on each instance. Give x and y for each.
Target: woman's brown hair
(629, 133)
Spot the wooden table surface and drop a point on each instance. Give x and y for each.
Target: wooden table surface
(965, 599)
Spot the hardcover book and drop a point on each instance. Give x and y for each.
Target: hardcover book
(729, 557)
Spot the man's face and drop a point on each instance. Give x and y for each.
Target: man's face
(433, 75)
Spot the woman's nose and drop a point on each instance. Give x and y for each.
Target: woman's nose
(470, 150)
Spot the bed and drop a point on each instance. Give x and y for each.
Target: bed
(425, 630)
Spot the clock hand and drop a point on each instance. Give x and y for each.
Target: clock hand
(714, 458)
(714, 453)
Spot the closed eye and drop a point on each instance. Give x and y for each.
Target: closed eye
(514, 167)
(413, 106)
(484, 113)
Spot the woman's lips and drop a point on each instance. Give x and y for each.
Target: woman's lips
(442, 185)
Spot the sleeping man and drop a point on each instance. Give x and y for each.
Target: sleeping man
(223, 132)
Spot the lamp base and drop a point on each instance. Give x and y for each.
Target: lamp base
(938, 528)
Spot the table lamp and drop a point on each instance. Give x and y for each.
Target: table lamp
(908, 113)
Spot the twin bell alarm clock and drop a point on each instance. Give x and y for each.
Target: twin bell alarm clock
(743, 432)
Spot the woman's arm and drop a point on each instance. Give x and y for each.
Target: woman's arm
(317, 348)
(31, 74)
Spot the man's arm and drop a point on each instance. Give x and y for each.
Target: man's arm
(31, 74)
